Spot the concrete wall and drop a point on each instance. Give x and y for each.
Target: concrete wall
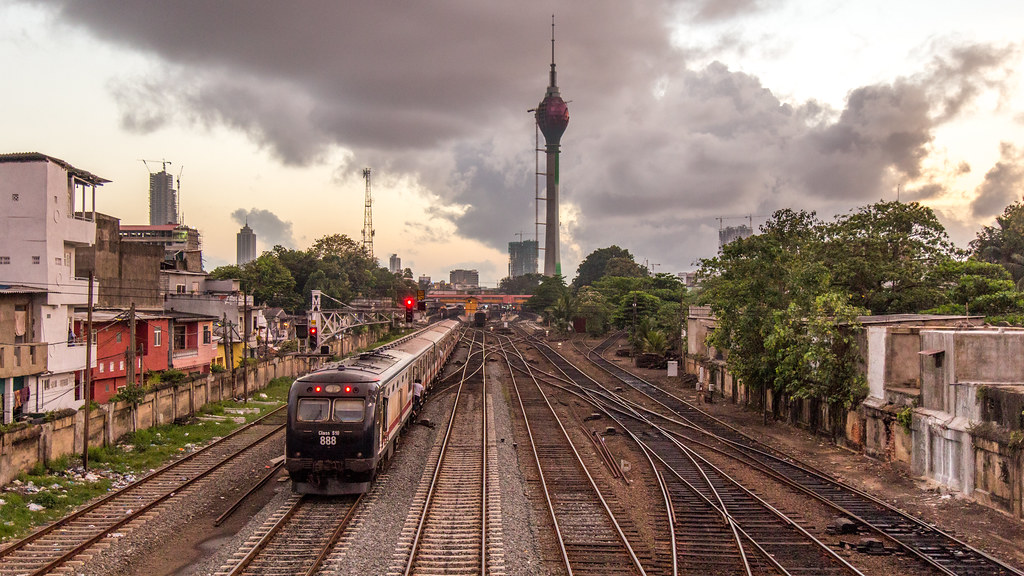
(128, 272)
(22, 448)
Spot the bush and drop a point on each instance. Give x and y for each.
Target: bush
(217, 368)
(58, 414)
(45, 499)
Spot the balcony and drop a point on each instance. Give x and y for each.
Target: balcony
(22, 359)
(186, 353)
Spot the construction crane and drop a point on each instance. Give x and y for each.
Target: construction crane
(368, 217)
(163, 164)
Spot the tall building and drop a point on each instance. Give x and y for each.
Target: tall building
(395, 264)
(246, 245)
(163, 199)
(464, 278)
(522, 258)
(424, 283)
(730, 233)
(552, 116)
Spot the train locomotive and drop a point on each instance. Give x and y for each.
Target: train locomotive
(344, 419)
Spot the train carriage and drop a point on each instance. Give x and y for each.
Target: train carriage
(344, 419)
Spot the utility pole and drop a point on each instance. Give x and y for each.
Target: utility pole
(229, 351)
(246, 320)
(88, 378)
(130, 351)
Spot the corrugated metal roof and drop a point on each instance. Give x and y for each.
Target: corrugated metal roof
(37, 157)
(19, 289)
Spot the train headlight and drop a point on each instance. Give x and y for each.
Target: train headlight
(317, 389)
(348, 389)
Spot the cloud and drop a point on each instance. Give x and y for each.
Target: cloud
(1003, 183)
(269, 229)
(438, 93)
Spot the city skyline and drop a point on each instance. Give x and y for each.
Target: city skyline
(682, 113)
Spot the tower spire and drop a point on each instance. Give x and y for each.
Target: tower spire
(552, 117)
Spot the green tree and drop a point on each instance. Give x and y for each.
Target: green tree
(592, 268)
(525, 284)
(754, 278)
(1003, 243)
(976, 287)
(548, 292)
(594, 308)
(815, 351)
(562, 313)
(883, 256)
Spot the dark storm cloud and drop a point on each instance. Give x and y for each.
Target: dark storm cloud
(270, 230)
(1003, 183)
(438, 92)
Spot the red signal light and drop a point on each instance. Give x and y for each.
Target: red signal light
(348, 389)
(410, 302)
(317, 389)
(312, 331)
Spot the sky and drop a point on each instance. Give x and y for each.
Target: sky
(684, 116)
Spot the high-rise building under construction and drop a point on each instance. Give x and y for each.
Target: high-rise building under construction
(163, 199)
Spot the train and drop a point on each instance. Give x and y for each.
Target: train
(344, 419)
(479, 318)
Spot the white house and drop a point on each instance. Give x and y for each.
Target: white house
(47, 211)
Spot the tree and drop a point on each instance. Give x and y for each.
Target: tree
(547, 293)
(562, 313)
(1003, 243)
(595, 309)
(751, 280)
(592, 268)
(976, 287)
(525, 284)
(624, 267)
(814, 347)
(883, 255)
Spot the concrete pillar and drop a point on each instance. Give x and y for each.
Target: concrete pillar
(8, 401)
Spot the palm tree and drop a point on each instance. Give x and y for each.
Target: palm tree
(562, 312)
(655, 343)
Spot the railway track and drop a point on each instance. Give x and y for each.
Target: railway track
(296, 539)
(764, 541)
(48, 548)
(449, 533)
(589, 535)
(932, 546)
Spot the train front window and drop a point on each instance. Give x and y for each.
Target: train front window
(313, 409)
(348, 410)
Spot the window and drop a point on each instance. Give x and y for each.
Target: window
(117, 338)
(58, 261)
(36, 259)
(111, 365)
(179, 288)
(120, 365)
(157, 336)
(179, 337)
(101, 367)
(5, 259)
(206, 334)
(348, 410)
(312, 409)
(15, 197)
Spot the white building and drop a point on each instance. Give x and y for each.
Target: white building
(395, 264)
(47, 211)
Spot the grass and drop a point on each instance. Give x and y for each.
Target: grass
(150, 448)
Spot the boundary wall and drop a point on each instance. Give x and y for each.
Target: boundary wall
(21, 448)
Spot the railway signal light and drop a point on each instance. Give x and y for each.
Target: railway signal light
(408, 315)
(410, 302)
(312, 333)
